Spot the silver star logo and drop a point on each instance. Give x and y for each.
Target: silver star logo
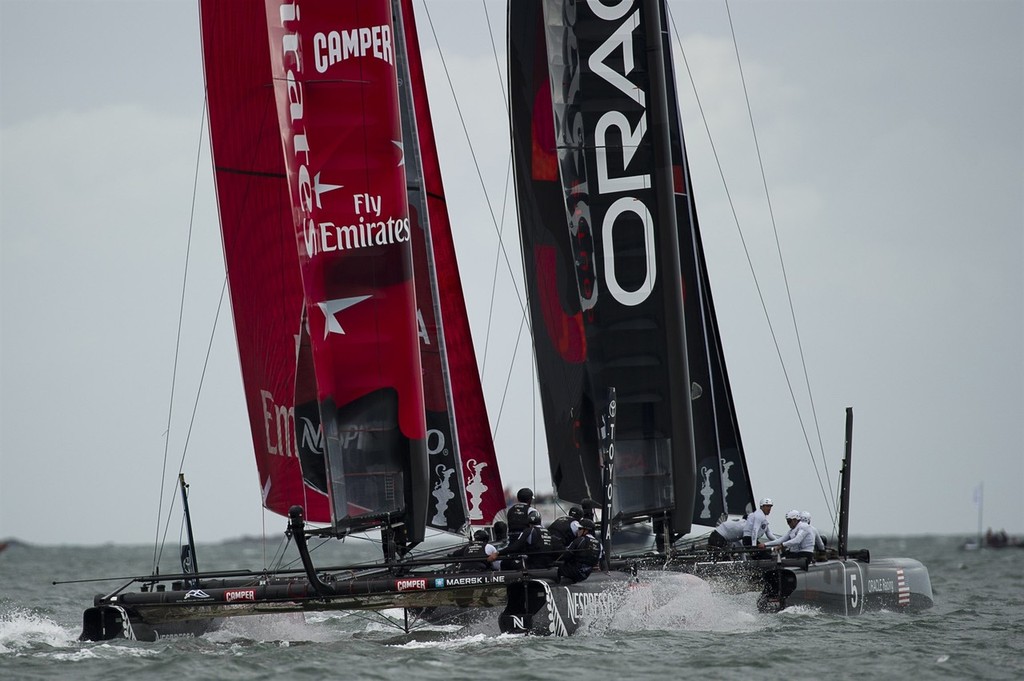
(331, 308)
(323, 188)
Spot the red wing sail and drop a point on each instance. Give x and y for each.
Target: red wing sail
(448, 354)
(259, 243)
(336, 89)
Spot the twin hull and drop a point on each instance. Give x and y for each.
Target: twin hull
(849, 587)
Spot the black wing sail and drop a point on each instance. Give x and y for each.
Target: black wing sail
(601, 250)
(723, 483)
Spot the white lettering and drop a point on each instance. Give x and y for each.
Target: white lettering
(277, 425)
(337, 46)
(627, 204)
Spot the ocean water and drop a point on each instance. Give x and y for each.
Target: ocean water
(692, 629)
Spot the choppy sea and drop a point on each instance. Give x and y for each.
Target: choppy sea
(974, 631)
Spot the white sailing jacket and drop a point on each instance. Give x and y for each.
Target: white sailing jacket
(757, 525)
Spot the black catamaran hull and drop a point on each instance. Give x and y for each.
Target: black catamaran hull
(149, 615)
(849, 587)
(545, 607)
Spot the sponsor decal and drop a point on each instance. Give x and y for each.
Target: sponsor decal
(616, 137)
(466, 581)
(580, 605)
(410, 584)
(368, 41)
(278, 420)
(439, 583)
(240, 595)
(881, 585)
(198, 595)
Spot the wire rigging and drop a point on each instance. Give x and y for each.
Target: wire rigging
(746, 251)
(778, 249)
(177, 343)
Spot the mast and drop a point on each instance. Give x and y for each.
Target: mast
(844, 486)
(188, 525)
(684, 468)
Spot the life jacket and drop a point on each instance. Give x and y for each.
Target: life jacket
(472, 550)
(562, 529)
(517, 518)
(587, 551)
(541, 552)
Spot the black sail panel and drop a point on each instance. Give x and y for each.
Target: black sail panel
(723, 483)
(617, 215)
(560, 344)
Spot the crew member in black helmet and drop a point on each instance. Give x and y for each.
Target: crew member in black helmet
(580, 557)
(535, 542)
(480, 546)
(518, 514)
(565, 528)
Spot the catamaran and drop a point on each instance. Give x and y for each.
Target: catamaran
(365, 404)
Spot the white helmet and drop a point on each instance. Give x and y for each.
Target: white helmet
(766, 502)
(793, 515)
(805, 516)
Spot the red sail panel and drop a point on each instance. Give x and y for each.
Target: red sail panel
(259, 243)
(336, 89)
(482, 480)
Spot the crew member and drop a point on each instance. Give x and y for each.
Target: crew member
(757, 525)
(478, 546)
(819, 541)
(798, 542)
(518, 514)
(565, 528)
(580, 557)
(535, 542)
(729, 533)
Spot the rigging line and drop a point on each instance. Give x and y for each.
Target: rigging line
(778, 246)
(746, 252)
(494, 270)
(472, 152)
(494, 51)
(199, 390)
(501, 241)
(177, 341)
(508, 377)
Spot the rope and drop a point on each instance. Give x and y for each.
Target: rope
(177, 346)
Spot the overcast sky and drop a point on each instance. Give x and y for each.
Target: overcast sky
(891, 140)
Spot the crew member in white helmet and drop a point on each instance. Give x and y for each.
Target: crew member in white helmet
(798, 542)
(728, 533)
(757, 525)
(819, 541)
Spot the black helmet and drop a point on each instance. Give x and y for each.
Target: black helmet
(588, 524)
(590, 503)
(575, 512)
(525, 495)
(533, 518)
(481, 535)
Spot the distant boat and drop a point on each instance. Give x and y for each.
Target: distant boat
(990, 539)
